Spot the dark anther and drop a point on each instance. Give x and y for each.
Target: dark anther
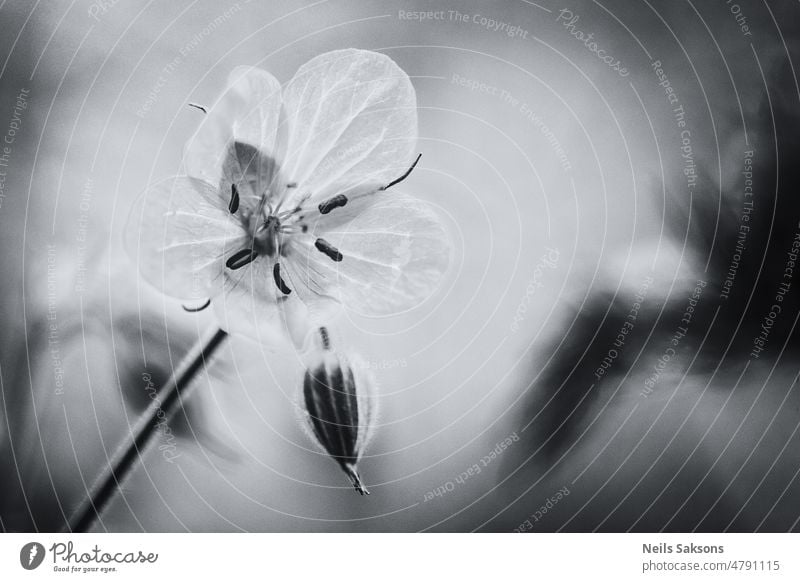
(404, 176)
(196, 106)
(233, 205)
(327, 248)
(291, 185)
(331, 203)
(279, 282)
(196, 309)
(241, 258)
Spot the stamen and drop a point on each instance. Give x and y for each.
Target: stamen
(241, 258)
(404, 176)
(196, 309)
(291, 185)
(326, 340)
(279, 282)
(233, 205)
(327, 248)
(331, 203)
(196, 106)
(289, 213)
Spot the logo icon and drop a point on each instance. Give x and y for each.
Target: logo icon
(31, 555)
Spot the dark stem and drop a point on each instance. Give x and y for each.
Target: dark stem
(130, 453)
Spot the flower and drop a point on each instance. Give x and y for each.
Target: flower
(339, 406)
(285, 212)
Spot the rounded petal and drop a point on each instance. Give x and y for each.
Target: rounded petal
(249, 314)
(179, 237)
(387, 259)
(248, 111)
(318, 308)
(252, 305)
(255, 174)
(351, 118)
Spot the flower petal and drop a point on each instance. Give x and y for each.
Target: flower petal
(248, 111)
(253, 306)
(254, 173)
(179, 235)
(352, 119)
(252, 315)
(392, 256)
(320, 308)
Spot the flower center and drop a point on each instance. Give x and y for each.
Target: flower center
(270, 228)
(266, 235)
(268, 231)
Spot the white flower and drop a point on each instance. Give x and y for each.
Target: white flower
(286, 212)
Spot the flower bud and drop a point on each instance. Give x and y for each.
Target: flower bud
(339, 409)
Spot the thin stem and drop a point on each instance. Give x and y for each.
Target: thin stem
(127, 457)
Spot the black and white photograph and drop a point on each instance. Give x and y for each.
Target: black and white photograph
(488, 267)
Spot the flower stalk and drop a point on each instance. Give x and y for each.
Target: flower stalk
(143, 434)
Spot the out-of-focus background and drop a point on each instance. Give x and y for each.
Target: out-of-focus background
(601, 166)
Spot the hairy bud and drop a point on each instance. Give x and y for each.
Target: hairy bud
(339, 409)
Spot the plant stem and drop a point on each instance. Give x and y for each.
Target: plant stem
(125, 460)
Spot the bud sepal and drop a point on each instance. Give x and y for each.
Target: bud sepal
(339, 408)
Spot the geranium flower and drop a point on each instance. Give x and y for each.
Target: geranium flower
(287, 209)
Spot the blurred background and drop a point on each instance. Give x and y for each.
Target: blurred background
(619, 183)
